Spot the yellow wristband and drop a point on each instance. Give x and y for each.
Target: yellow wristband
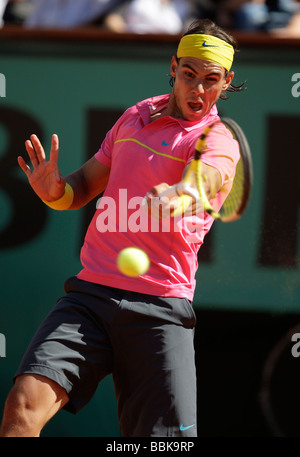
(63, 202)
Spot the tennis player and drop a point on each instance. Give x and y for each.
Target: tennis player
(139, 329)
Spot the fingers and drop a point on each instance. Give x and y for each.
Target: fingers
(24, 166)
(54, 149)
(211, 180)
(31, 152)
(37, 154)
(156, 190)
(35, 150)
(159, 202)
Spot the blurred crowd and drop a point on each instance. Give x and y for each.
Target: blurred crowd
(279, 17)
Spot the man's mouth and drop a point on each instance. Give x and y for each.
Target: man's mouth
(195, 106)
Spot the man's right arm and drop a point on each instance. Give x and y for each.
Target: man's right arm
(87, 182)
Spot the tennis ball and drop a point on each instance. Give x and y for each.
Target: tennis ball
(133, 262)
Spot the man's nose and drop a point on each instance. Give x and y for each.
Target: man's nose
(199, 87)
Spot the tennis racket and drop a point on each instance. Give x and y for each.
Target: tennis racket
(238, 197)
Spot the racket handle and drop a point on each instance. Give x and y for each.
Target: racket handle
(178, 190)
(169, 193)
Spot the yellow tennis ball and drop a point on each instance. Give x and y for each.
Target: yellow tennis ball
(133, 262)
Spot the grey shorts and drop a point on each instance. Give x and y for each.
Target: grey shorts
(145, 342)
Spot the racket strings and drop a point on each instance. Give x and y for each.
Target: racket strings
(237, 199)
(202, 195)
(234, 200)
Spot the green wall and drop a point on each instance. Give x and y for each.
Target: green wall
(76, 89)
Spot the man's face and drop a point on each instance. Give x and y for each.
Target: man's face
(197, 87)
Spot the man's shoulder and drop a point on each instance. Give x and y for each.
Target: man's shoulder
(154, 102)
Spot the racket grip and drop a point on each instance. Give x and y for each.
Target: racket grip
(184, 202)
(178, 190)
(169, 193)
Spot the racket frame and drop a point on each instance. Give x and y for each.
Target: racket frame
(245, 156)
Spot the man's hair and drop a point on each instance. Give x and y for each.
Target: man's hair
(208, 27)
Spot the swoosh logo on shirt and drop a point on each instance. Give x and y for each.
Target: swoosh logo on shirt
(166, 144)
(183, 428)
(209, 45)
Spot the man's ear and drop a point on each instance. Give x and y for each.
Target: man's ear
(228, 80)
(173, 68)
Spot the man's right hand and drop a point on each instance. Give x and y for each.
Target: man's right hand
(44, 177)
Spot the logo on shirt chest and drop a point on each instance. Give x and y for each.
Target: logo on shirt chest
(164, 143)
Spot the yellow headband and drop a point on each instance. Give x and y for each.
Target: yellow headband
(206, 47)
